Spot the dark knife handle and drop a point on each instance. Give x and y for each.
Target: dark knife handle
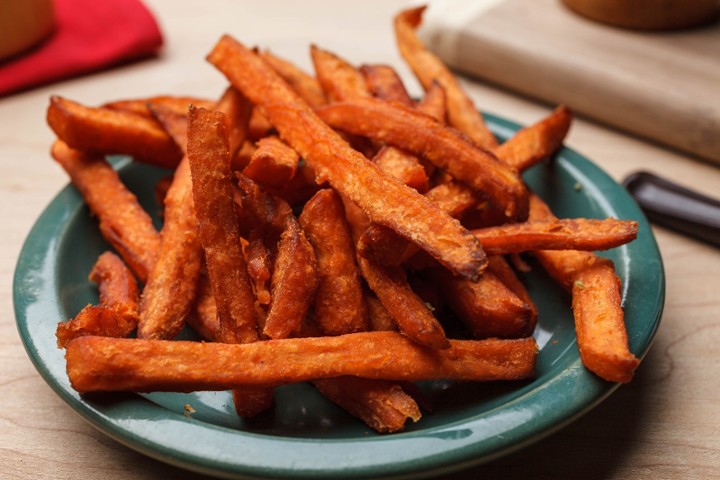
(676, 207)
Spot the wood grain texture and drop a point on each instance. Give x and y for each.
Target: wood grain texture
(662, 86)
(662, 425)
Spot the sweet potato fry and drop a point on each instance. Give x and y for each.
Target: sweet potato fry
(237, 110)
(381, 404)
(203, 317)
(536, 142)
(293, 284)
(273, 164)
(380, 318)
(142, 106)
(305, 85)
(428, 68)
(117, 313)
(453, 197)
(338, 306)
(338, 79)
(138, 365)
(102, 130)
(434, 103)
(219, 232)
(123, 222)
(172, 283)
(384, 82)
(599, 318)
(445, 147)
(487, 307)
(412, 315)
(404, 166)
(383, 199)
(556, 234)
(505, 273)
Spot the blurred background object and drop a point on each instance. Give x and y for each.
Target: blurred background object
(648, 14)
(24, 23)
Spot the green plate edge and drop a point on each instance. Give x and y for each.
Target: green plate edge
(554, 399)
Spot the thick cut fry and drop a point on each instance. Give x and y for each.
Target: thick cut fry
(384, 82)
(172, 283)
(338, 78)
(102, 130)
(273, 164)
(445, 147)
(536, 142)
(487, 307)
(123, 222)
(600, 324)
(556, 234)
(412, 315)
(305, 85)
(212, 194)
(294, 281)
(138, 365)
(599, 318)
(117, 314)
(143, 106)
(338, 306)
(382, 405)
(428, 68)
(385, 200)
(505, 273)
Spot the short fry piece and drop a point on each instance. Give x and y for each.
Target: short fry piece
(536, 142)
(384, 82)
(338, 78)
(428, 68)
(117, 314)
(384, 199)
(123, 222)
(273, 164)
(102, 130)
(138, 365)
(381, 404)
(338, 305)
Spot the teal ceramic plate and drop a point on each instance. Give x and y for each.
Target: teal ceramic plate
(304, 436)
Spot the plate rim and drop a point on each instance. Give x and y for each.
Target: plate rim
(458, 458)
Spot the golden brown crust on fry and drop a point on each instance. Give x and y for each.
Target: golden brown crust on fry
(384, 199)
(102, 130)
(337, 77)
(339, 305)
(428, 68)
(219, 232)
(114, 364)
(304, 84)
(384, 82)
(123, 222)
(445, 147)
(273, 164)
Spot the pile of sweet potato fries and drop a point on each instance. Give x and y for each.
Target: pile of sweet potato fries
(325, 228)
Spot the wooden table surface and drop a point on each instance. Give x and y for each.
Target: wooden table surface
(664, 424)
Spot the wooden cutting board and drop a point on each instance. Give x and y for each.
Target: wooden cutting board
(661, 86)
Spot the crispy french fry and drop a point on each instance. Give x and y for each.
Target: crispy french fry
(123, 222)
(237, 110)
(412, 315)
(428, 68)
(219, 232)
(404, 166)
(381, 404)
(305, 85)
(505, 273)
(102, 130)
(117, 313)
(273, 164)
(599, 318)
(453, 197)
(385, 200)
(138, 365)
(384, 82)
(445, 147)
(380, 318)
(339, 301)
(172, 283)
(556, 234)
(434, 103)
(338, 79)
(203, 318)
(142, 106)
(536, 142)
(293, 283)
(487, 307)
(258, 126)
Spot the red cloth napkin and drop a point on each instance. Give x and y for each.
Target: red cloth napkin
(90, 35)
